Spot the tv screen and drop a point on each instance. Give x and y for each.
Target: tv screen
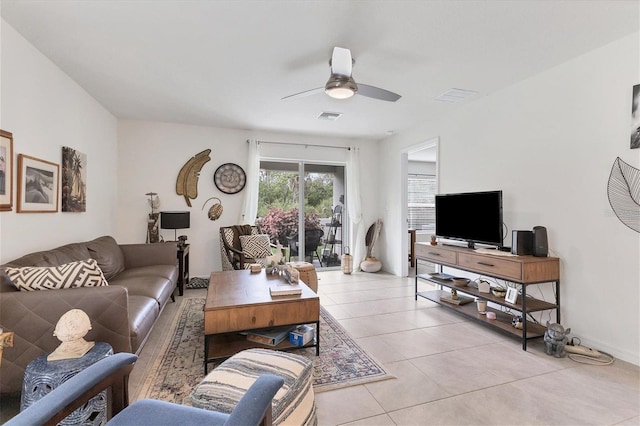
(475, 217)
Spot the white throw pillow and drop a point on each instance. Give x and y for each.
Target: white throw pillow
(255, 246)
(84, 273)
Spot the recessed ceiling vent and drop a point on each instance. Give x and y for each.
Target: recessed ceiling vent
(455, 95)
(332, 116)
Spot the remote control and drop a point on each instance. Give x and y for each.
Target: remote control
(582, 350)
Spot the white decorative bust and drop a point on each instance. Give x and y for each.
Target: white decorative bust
(70, 330)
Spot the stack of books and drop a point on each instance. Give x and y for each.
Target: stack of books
(270, 336)
(461, 300)
(284, 289)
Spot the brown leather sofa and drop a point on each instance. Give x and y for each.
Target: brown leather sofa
(142, 278)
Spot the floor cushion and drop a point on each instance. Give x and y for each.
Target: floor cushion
(294, 404)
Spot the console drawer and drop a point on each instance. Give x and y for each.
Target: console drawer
(489, 265)
(436, 254)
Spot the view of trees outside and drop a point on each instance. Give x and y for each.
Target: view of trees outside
(278, 201)
(279, 189)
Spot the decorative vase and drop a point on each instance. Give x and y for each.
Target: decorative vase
(346, 264)
(371, 264)
(153, 236)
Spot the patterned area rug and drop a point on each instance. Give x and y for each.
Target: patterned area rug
(197, 282)
(178, 367)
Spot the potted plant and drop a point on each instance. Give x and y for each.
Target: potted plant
(371, 263)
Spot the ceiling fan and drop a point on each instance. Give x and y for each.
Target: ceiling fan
(341, 84)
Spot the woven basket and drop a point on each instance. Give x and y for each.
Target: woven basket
(216, 209)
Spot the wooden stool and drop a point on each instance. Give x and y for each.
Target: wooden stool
(308, 274)
(294, 404)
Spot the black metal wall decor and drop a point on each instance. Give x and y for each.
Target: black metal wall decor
(623, 191)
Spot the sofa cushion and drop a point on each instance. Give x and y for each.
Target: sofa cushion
(143, 313)
(54, 257)
(255, 246)
(84, 273)
(154, 287)
(169, 272)
(107, 252)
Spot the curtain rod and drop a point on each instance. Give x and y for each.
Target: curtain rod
(306, 145)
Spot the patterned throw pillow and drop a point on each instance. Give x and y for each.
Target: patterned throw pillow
(84, 273)
(255, 246)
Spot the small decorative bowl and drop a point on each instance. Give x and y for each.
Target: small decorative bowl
(498, 291)
(460, 282)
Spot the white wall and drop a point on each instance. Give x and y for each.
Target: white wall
(151, 154)
(421, 167)
(549, 143)
(46, 110)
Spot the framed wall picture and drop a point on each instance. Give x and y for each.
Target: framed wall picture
(512, 295)
(38, 187)
(6, 171)
(74, 180)
(635, 117)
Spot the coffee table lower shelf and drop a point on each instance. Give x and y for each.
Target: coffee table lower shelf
(225, 345)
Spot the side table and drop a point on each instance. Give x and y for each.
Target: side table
(183, 268)
(41, 376)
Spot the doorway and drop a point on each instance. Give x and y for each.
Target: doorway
(301, 205)
(420, 186)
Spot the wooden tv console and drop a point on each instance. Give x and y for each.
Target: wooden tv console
(523, 270)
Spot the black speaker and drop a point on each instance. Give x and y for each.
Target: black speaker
(521, 242)
(540, 243)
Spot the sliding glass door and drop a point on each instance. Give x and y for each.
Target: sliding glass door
(301, 206)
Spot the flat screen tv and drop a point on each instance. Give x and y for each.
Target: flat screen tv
(474, 217)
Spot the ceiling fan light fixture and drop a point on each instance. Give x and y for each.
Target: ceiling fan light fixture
(340, 87)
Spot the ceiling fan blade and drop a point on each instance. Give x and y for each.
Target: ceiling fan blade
(377, 93)
(341, 62)
(304, 94)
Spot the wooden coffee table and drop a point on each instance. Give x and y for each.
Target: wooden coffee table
(239, 301)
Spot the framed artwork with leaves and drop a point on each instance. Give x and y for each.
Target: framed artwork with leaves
(74, 180)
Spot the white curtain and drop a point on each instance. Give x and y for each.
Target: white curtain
(250, 202)
(354, 204)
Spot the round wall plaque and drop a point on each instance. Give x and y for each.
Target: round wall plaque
(230, 178)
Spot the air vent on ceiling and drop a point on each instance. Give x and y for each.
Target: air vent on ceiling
(333, 116)
(455, 95)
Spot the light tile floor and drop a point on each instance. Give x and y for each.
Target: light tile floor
(448, 370)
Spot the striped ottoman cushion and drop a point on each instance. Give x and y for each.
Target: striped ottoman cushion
(294, 404)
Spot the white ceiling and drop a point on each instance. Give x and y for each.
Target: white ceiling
(228, 63)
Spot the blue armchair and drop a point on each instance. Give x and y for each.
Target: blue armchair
(253, 409)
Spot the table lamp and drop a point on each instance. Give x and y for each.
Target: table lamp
(174, 220)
